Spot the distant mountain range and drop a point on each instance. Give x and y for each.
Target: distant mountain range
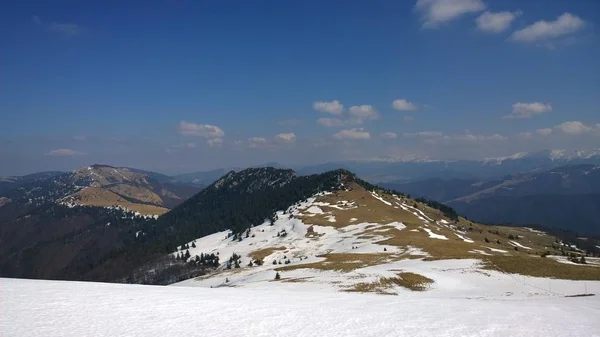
(407, 169)
(564, 197)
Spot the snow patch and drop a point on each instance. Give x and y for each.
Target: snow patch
(432, 235)
(516, 244)
(465, 239)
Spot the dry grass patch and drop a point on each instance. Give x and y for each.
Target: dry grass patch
(385, 285)
(262, 253)
(345, 262)
(369, 210)
(412, 281)
(541, 267)
(96, 196)
(139, 193)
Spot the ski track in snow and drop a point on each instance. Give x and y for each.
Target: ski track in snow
(35, 308)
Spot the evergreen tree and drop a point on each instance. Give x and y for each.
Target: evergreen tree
(187, 255)
(582, 260)
(193, 245)
(277, 276)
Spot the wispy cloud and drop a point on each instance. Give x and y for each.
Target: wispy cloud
(353, 134)
(436, 12)
(331, 122)
(215, 142)
(528, 110)
(200, 130)
(65, 153)
(543, 132)
(389, 135)
(542, 30)
(63, 29)
(255, 142)
(490, 22)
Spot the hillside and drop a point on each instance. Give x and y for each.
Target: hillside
(566, 197)
(140, 191)
(370, 240)
(333, 229)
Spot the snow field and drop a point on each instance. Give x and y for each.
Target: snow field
(67, 309)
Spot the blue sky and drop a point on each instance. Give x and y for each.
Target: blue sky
(178, 86)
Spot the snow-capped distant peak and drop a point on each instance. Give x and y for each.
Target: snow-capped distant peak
(557, 154)
(501, 159)
(402, 159)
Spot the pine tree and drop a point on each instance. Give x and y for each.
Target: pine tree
(193, 245)
(582, 260)
(277, 276)
(187, 255)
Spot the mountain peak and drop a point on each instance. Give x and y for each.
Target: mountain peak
(255, 178)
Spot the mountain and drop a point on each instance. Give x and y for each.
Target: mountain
(104, 186)
(565, 197)
(203, 178)
(333, 229)
(410, 169)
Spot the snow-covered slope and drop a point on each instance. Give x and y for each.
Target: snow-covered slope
(372, 241)
(65, 309)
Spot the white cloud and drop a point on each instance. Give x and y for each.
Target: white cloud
(527, 110)
(543, 132)
(498, 22)
(436, 12)
(215, 142)
(286, 137)
(573, 128)
(359, 133)
(564, 25)
(409, 118)
(334, 107)
(331, 122)
(360, 113)
(403, 105)
(193, 145)
(65, 153)
(389, 135)
(201, 130)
